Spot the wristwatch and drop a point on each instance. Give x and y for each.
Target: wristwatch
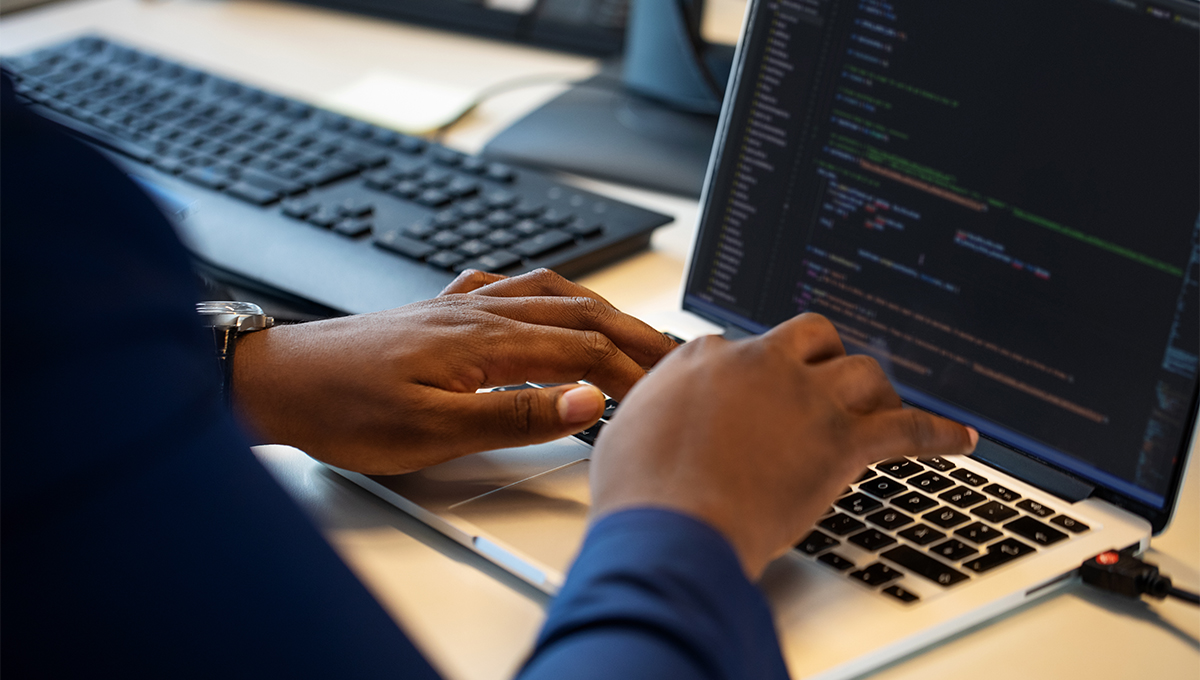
(229, 320)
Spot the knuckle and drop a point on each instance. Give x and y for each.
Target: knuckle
(522, 414)
(917, 428)
(591, 311)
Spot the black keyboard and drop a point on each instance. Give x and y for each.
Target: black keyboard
(278, 196)
(911, 529)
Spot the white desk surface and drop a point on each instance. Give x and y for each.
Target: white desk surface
(472, 619)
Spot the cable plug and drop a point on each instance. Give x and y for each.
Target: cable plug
(1125, 574)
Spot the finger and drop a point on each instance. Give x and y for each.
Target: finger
(546, 354)
(910, 432)
(537, 282)
(810, 337)
(638, 341)
(469, 280)
(493, 420)
(861, 384)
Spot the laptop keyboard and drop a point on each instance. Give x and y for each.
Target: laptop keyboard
(388, 192)
(913, 528)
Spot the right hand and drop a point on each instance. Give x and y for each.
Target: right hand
(758, 437)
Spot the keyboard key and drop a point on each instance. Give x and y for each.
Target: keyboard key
(1001, 492)
(353, 227)
(1000, 553)
(403, 245)
(328, 173)
(252, 194)
(841, 524)
(967, 477)
(938, 463)
(858, 503)
(542, 243)
(876, 575)
(526, 228)
(406, 190)
(914, 502)
(445, 259)
(421, 230)
(1035, 531)
(492, 262)
(882, 487)
(300, 208)
(501, 238)
(474, 229)
(978, 533)
(264, 180)
(871, 540)
(324, 217)
(930, 482)
(1032, 506)
(584, 229)
(498, 172)
(380, 180)
(434, 198)
(922, 534)
(355, 207)
(1072, 525)
(994, 511)
(953, 550)
(447, 238)
(889, 519)
(962, 497)
(901, 594)
(816, 542)
(209, 176)
(945, 517)
(925, 566)
(474, 248)
(836, 561)
(900, 468)
(500, 198)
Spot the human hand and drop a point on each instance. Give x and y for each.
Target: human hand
(395, 391)
(757, 437)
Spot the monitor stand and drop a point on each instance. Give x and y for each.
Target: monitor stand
(599, 129)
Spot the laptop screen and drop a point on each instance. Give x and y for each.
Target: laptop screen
(999, 201)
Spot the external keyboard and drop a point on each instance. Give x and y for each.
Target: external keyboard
(279, 196)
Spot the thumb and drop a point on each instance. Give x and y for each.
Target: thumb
(492, 420)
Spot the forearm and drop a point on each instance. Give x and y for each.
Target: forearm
(655, 594)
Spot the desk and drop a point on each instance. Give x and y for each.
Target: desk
(472, 619)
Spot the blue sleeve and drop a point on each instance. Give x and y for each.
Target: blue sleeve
(141, 538)
(656, 594)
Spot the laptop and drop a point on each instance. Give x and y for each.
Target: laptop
(999, 202)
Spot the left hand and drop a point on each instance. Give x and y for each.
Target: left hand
(395, 391)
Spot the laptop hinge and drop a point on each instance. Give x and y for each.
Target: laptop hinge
(1033, 472)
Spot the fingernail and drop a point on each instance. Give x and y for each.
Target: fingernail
(580, 404)
(974, 435)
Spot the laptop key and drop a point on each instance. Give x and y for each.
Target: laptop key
(978, 533)
(945, 517)
(1001, 553)
(967, 477)
(1072, 525)
(876, 574)
(882, 487)
(817, 542)
(858, 503)
(901, 594)
(914, 502)
(1003, 493)
(403, 245)
(1035, 531)
(930, 482)
(962, 497)
(953, 550)
(899, 468)
(841, 524)
(836, 561)
(925, 566)
(871, 540)
(922, 534)
(1030, 505)
(994, 511)
(889, 518)
(938, 463)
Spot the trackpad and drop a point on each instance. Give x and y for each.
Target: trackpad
(544, 517)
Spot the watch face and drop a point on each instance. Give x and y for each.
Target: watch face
(227, 307)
